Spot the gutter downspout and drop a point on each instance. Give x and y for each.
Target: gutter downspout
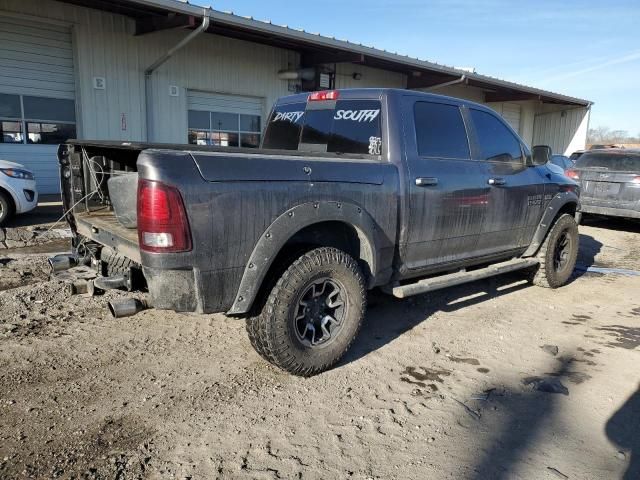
(462, 79)
(148, 73)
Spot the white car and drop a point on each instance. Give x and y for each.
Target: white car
(18, 193)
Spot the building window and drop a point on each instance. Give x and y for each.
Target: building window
(36, 120)
(224, 129)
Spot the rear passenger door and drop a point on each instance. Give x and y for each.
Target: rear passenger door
(447, 190)
(515, 202)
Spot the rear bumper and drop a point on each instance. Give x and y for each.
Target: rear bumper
(191, 289)
(610, 211)
(173, 289)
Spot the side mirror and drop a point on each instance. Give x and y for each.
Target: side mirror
(541, 154)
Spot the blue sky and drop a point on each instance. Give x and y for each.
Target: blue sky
(588, 49)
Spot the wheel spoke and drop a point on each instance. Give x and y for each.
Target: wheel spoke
(320, 312)
(334, 300)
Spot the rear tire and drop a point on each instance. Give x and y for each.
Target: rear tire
(312, 314)
(6, 208)
(114, 263)
(558, 254)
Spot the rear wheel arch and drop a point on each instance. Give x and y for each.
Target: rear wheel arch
(341, 225)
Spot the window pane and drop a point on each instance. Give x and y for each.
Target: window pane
(40, 108)
(224, 139)
(356, 127)
(249, 140)
(199, 120)
(199, 137)
(249, 123)
(10, 106)
(440, 131)
(283, 127)
(495, 140)
(224, 121)
(317, 126)
(11, 132)
(50, 133)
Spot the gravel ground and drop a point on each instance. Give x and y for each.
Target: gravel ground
(495, 379)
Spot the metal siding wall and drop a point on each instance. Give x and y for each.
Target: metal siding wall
(35, 59)
(215, 102)
(560, 131)
(105, 47)
(41, 159)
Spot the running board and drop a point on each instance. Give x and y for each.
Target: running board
(458, 278)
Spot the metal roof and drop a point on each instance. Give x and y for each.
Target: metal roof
(316, 48)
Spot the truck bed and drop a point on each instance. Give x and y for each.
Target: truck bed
(103, 227)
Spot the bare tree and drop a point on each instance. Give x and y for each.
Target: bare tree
(604, 135)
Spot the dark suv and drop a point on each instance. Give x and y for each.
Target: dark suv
(610, 181)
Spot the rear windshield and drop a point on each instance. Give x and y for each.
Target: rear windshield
(618, 162)
(344, 126)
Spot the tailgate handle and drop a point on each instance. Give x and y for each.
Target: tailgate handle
(496, 181)
(426, 181)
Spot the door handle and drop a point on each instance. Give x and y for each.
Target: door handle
(426, 181)
(496, 181)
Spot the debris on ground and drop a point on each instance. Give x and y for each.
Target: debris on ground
(557, 473)
(546, 385)
(551, 349)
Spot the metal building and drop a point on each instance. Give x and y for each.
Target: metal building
(108, 70)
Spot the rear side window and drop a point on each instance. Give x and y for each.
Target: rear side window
(440, 131)
(345, 126)
(617, 162)
(495, 140)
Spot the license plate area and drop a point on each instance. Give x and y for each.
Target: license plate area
(602, 189)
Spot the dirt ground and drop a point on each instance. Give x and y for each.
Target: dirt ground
(495, 379)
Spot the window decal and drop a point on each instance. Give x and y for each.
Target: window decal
(292, 117)
(375, 146)
(357, 115)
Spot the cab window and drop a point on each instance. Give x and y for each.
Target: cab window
(496, 143)
(440, 131)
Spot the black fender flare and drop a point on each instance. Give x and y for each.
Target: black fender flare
(557, 203)
(291, 222)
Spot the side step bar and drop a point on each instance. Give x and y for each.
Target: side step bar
(457, 278)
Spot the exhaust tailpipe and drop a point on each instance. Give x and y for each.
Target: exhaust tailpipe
(127, 308)
(62, 262)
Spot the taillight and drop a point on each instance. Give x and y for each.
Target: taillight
(162, 219)
(572, 174)
(636, 180)
(323, 95)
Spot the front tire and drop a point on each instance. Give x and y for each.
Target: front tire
(312, 314)
(6, 208)
(558, 254)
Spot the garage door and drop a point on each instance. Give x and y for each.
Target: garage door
(225, 120)
(511, 113)
(37, 96)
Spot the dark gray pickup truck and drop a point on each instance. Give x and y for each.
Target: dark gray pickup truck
(351, 190)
